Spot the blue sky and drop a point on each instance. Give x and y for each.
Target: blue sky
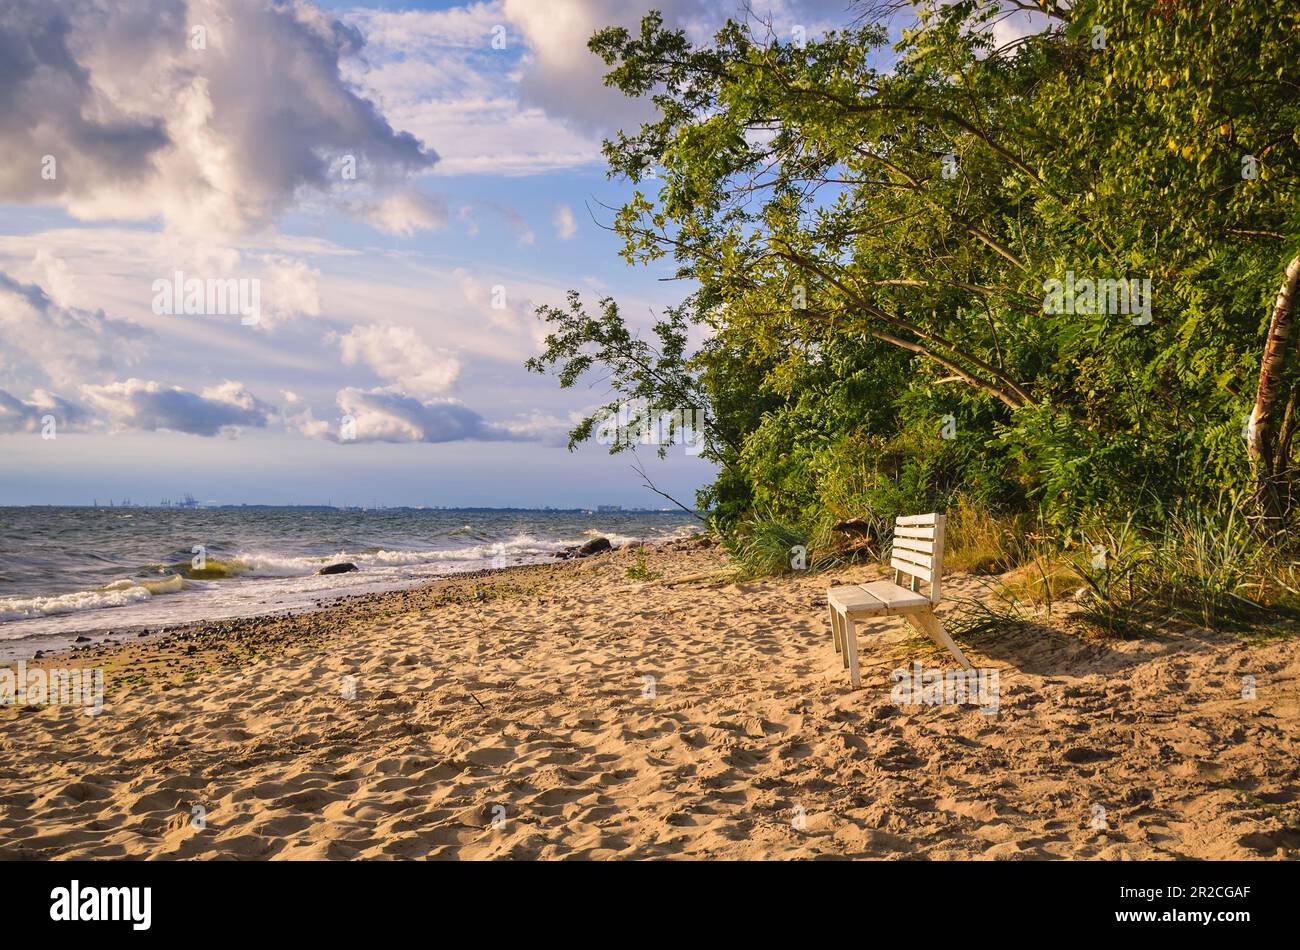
(212, 138)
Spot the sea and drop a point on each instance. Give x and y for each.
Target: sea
(68, 571)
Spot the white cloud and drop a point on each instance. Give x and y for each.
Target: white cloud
(306, 424)
(545, 427)
(436, 73)
(468, 27)
(415, 325)
(563, 78)
(379, 415)
(62, 346)
(503, 309)
(142, 125)
(19, 415)
(149, 405)
(540, 104)
(565, 225)
(405, 212)
(397, 353)
(292, 289)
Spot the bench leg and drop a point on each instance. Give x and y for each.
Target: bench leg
(929, 623)
(851, 651)
(835, 629)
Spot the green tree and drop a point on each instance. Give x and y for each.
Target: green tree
(879, 237)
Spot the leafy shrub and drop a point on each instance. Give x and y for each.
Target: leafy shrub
(640, 570)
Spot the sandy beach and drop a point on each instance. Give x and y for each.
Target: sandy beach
(569, 711)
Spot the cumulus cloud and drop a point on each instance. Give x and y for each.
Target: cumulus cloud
(62, 346)
(563, 77)
(379, 415)
(144, 118)
(397, 354)
(291, 290)
(28, 415)
(537, 102)
(149, 405)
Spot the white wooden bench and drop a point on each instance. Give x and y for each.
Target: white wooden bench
(917, 553)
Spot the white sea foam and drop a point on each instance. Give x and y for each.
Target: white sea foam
(29, 608)
(116, 594)
(518, 548)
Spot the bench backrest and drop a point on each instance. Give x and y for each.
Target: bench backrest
(917, 550)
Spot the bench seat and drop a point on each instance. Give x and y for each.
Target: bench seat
(878, 597)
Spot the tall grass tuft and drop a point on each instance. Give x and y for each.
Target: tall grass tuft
(764, 545)
(982, 542)
(1120, 573)
(1215, 566)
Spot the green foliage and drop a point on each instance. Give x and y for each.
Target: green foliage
(640, 569)
(871, 251)
(1203, 567)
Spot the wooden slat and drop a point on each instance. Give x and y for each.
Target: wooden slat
(854, 598)
(936, 592)
(913, 569)
(895, 597)
(926, 533)
(916, 519)
(911, 557)
(915, 544)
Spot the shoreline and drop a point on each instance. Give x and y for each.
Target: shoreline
(117, 644)
(568, 710)
(101, 630)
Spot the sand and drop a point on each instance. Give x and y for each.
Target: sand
(510, 716)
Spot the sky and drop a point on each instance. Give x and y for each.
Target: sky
(371, 202)
(392, 188)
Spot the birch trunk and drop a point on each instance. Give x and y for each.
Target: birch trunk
(1263, 428)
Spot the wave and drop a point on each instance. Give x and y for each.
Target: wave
(172, 584)
(517, 549)
(213, 569)
(116, 594)
(271, 564)
(619, 540)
